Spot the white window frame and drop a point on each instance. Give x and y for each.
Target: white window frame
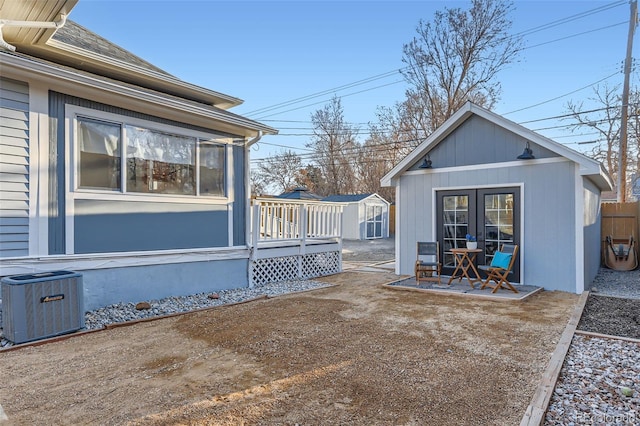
(74, 192)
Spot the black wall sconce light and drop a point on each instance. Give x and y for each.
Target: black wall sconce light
(426, 164)
(527, 154)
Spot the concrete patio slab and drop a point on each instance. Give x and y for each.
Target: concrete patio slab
(462, 288)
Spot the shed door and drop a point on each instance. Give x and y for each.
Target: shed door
(374, 220)
(491, 214)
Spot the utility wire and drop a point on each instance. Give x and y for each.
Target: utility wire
(398, 71)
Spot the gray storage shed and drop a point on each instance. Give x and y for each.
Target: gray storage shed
(366, 216)
(483, 174)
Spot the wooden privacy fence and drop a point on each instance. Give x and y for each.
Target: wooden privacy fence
(619, 221)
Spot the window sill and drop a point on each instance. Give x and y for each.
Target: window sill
(84, 194)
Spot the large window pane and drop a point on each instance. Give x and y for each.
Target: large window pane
(455, 224)
(99, 146)
(160, 162)
(211, 169)
(498, 222)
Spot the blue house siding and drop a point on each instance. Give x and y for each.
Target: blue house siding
(239, 208)
(113, 226)
(14, 168)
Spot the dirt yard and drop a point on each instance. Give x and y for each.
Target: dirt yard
(355, 354)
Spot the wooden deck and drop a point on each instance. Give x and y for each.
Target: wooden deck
(294, 239)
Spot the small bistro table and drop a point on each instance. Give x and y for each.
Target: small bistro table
(465, 259)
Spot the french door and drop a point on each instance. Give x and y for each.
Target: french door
(492, 215)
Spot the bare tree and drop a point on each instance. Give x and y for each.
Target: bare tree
(385, 146)
(311, 178)
(280, 172)
(605, 120)
(454, 59)
(334, 144)
(258, 185)
(633, 141)
(371, 165)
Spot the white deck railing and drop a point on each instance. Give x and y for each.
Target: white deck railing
(286, 220)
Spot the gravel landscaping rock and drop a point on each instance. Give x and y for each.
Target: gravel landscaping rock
(123, 312)
(599, 383)
(596, 375)
(611, 315)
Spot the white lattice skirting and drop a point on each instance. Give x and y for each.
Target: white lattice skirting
(295, 267)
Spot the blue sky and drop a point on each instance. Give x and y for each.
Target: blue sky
(271, 52)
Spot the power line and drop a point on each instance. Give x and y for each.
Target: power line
(539, 28)
(323, 101)
(565, 95)
(325, 92)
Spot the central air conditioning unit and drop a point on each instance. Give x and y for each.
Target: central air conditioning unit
(37, 306)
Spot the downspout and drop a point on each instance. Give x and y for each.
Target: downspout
(28, 24)
(249, 207)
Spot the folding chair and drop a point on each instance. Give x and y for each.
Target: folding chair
(428, 262)
(501, 267)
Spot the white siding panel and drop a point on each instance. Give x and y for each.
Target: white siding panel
(13, 150)
(8, 213)
(14, 123)
(13, 159)
(14, 168)
(13, 114)
(14, 187)
(13, 177)
(12, 141)
(13, 133)
(18, 169)
(13, 196)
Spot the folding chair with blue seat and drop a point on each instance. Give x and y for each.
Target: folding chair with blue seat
(500, 268)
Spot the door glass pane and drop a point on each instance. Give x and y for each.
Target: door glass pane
(498, 224)
(455, 224)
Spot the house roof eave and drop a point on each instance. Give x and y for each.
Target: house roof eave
(16, 65)
(599, 176)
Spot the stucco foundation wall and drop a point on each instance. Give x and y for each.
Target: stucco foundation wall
(103, 287)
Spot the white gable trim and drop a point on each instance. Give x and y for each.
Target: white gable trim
(375, 196)
(588, 166)
(486, 166)
(579, 230)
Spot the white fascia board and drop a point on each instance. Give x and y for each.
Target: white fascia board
(235, 124)
(83, 262)
(216, 98)
(377, 196)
